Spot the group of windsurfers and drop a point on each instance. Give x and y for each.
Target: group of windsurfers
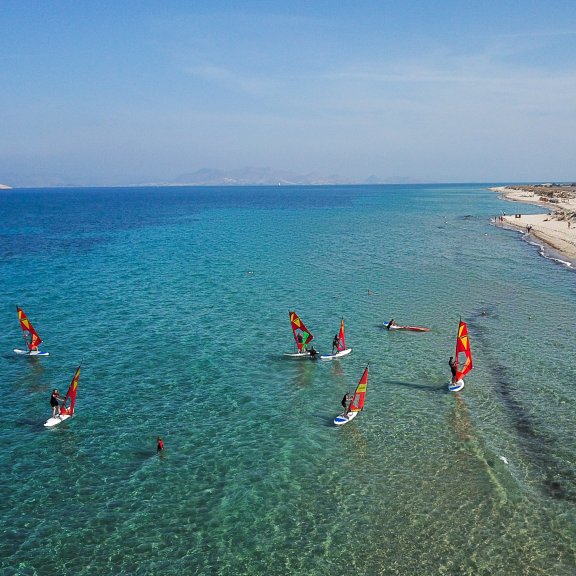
(313, 352)
(335, 347)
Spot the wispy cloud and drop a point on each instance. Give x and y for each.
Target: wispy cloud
(229, 79)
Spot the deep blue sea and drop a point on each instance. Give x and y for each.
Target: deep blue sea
(176, 302)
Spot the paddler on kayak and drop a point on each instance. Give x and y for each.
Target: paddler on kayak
(390, 324)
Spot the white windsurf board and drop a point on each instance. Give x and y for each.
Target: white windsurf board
(51, 422)
(31, 352)
(456, 387)
(340, 420)
(344, 352)
(297, 355)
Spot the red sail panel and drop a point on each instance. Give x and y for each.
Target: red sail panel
(360, 393)
(463, 352)
(341, 337)
(71, 394)
(302, 335)
(28, 330)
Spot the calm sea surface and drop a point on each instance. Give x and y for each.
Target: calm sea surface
(176, 301)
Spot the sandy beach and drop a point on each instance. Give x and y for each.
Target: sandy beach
(556, 226)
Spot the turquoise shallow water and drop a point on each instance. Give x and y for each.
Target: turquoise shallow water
(176, 300)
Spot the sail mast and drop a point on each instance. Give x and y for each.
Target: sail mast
(27, 328)
(302, 336)
(357, 403)
(341, 337)
(463, 349)
(71, 394)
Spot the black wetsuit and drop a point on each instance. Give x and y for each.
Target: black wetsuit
(54, 401)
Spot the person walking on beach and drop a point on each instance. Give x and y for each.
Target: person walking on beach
(160, 444)
(453, 367)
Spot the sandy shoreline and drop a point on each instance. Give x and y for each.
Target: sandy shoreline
(556, 226)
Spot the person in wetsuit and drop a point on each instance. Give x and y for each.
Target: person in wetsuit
(346, 402)
(453, 367)
(54, 402)
(335, 343)
(300, 341)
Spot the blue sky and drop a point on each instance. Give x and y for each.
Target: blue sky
(99, 92)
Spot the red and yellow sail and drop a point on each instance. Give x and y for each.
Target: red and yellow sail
(463, 352)
(71, 394)
(302, 335)
(341, 337)
(30, 335)
(360, 393)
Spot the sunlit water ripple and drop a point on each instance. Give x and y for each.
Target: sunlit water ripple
(176, 301)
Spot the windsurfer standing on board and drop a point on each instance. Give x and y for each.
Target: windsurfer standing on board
(453, 366)
(31, 346)
(346, 402)
(335, 343)
(300, 341)
(390, 324)
(54, 402)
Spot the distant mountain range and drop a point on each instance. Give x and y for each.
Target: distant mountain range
(267, 177)
(248, 176)
(252, 177)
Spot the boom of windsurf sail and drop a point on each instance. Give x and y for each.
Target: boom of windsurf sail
(30, 335)
(463, 352)
(302, 335)
(71, 395)
(357, 403)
